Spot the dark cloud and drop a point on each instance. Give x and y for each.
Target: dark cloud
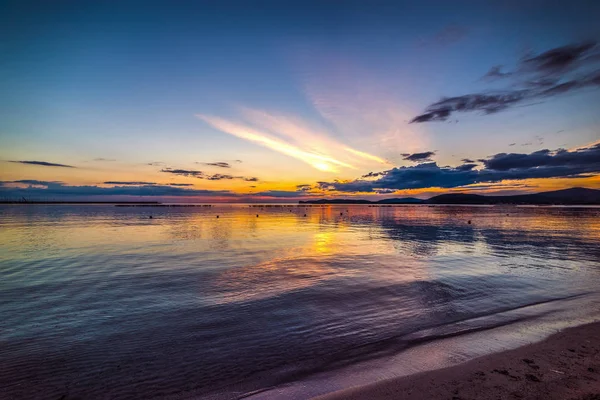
(560, 59)
(416, 157)
(184, 172)
(537, 77)
(219, 177)
(44, 164)
(512, 144)
(132, 183)
(488, 103)
(466, 167)
(544, 158)
(499, 167)
(202, 175)
(137, 183)
(217, 164)
(467, 160)
(496, 72)
(303, 187)
(372, 174)
(238, 161)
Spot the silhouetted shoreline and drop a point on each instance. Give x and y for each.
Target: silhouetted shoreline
(81, 202)
(573, 196)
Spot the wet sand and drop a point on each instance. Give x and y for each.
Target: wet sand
(565, 366)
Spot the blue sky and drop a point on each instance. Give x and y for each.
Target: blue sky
(180, 85)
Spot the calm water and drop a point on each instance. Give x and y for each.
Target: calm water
(103, 302)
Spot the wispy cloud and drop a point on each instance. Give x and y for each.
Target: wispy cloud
(318, 161)
(293, 137)
(366, 156)
(44, 164)
(358, 104)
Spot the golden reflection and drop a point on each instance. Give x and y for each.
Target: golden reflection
(323, 242)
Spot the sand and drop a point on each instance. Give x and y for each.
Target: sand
(565, 366)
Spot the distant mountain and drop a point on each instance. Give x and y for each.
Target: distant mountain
(573, 196)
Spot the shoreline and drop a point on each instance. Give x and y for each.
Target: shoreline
(564, 366)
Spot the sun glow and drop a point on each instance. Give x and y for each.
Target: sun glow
(321, 166)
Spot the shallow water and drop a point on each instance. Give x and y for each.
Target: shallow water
(103, 302)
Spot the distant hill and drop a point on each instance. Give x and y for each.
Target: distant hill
(573, 196)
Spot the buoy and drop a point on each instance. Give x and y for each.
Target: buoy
(150, 217)
(469, 222)
(305, 215)
(217, 216)
(256, 215)
(341, 213)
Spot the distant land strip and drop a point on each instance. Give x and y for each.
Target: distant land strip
(573, 196)
(79, 202)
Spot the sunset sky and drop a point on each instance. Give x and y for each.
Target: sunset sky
(285, 100)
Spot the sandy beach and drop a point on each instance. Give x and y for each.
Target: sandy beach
(565, 366)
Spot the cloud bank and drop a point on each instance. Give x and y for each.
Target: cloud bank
(58, 189)
(499, 167)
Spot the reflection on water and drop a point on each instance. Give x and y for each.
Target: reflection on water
(103, 302)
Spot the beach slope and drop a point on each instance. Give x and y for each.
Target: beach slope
(564, 366)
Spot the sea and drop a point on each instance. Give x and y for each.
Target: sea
(278, 301)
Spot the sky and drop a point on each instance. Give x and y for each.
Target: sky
(271, 101)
